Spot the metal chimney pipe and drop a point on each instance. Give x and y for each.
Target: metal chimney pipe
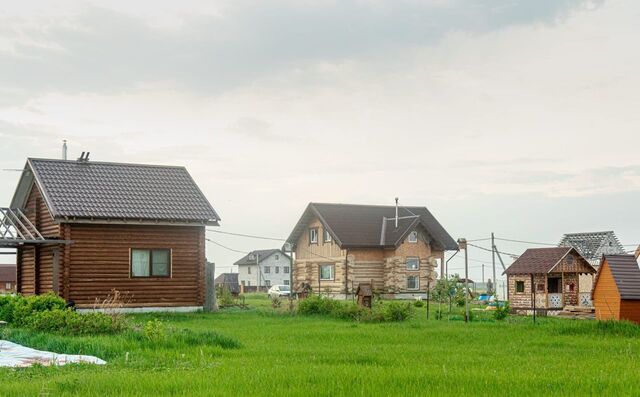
(64, 149)
(396, 212)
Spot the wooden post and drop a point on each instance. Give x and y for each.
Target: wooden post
(210, 304)
(56, 271)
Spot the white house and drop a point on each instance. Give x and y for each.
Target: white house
(275, 268)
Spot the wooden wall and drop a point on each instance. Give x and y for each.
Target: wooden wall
(99, 261)
(606, 298)
(630, 310)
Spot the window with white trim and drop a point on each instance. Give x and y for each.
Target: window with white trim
(413, 237)
(277, 269)
(327, 236)
(327, 272)
(267, 269)
(277, 257)
(413, 263)
(7, 286)
(313, 235)
(285, 269)
(413, 282)
(150, 262)
(285, 282)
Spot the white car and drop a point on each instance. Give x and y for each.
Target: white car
(279, 291)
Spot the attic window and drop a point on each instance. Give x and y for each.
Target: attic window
(413, 237)
(313, 235)
(327, 236)
(570, 259)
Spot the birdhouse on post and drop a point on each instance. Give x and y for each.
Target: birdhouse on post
(365, 294)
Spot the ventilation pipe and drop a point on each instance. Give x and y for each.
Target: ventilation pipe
(396, 212)
(64, 149)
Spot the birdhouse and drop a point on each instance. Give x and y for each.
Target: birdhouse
(365, 294)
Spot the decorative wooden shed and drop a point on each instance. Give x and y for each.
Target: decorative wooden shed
(365, 294)
(616, 290)
(82, 229)
(548, 279)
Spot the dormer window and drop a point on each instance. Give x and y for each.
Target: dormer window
(413, 237)
(570, 259)
(313, 235)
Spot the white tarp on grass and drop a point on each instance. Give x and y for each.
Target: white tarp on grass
(15, 355)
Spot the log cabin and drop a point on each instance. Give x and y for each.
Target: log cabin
(394, 249)
(83, 229)
(616, 290)
(548, 279)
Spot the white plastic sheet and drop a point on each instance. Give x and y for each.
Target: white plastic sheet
(15, 355)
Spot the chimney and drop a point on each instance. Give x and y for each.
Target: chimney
(396, 212)
(64, 149)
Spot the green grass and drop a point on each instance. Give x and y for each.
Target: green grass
(260, 352)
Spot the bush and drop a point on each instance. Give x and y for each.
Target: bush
(276, 302)
(383, 312)
(394, 311)
(154, 330)
(501, 312)
(69, 322)
(17, 309)
(419, 303)
(318, 305)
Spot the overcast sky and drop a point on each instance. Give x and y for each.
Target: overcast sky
(518, 117)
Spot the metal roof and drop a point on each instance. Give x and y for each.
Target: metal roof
(93, 191)
(250, 258)
(593, 245)
(626, 275)
(362, 226)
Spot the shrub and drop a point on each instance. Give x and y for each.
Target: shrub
(154, 330)
(69, 322)
(225, 298)
(501, 312)
(394, 311)
(276, 302)
(17, 309)
(419, 303)
(318, 305)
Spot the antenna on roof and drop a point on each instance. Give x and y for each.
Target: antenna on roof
(396, 212)
(86, 158)
(64, 149)
(82, 157)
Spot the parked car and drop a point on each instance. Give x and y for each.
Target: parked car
(279, 290)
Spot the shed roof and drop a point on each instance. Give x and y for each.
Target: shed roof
(91, 190)
(626, 275)
(540, 260)
(362, 226)
(593, 245)
(8, 273)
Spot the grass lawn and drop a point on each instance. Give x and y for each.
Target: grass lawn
(259, 352)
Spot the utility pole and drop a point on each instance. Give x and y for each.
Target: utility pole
(493, 262)
(483, 273)
(462, 244)
(258, 270)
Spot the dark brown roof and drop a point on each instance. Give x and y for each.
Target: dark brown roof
(7, 273)
(538, 260)
(626, 275)
(229, 280)
(102, 190)
(364, 226)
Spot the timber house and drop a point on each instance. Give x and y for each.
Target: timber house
(548, 279)
(83, 229)
(395, 249)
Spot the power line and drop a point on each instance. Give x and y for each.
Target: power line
(524, 242)
(246, 235)
(225, 247)
(489, 250)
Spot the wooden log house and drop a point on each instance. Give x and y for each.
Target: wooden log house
(82, 229)
(339, 246)
(616, 290)
(548, 279)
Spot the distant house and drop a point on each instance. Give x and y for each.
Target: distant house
(550, 278)
(264, 268)
(228, 281)
(83, 228)
(339, 246)
(7, 279)
(616, 291)
(593, 245)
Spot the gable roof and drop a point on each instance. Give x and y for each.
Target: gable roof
(227, 278)
(250, 258)
(91, 191)
(8, 273)
(365, 226)
(626, 275)
(593, 245)
(540, 260)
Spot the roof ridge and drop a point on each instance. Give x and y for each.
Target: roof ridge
(371, 205)
(37, 159)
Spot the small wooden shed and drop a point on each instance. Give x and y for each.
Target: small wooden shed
(616, 290)
(365, 294)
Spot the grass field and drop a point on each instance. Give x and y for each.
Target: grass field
(258, 352)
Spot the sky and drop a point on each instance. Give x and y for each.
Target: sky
(514, 117)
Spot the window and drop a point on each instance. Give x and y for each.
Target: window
(267, 269)
(267, 283)
(150, 262)
(285, 282)
(326, 272)
(242, 282)
(249, 270)
(277, 257)
(248, 283)
(7, 286)
(277, 269)
(327, 236)
(570, 259)
(413, 237)
(413, 282)
(413, 264)
(313, 236)
(519, 287)
(252, 257)
(285, 269)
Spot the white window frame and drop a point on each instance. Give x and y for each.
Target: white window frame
(277, 269)
(285, 282)
(417, 263)
(7, 286)
(332, 272)
(417, 280)
(313, 235)
(277, 257)
(285, 269)
(327, 236)
(413, 237)
(267, 283)
(267, 269)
